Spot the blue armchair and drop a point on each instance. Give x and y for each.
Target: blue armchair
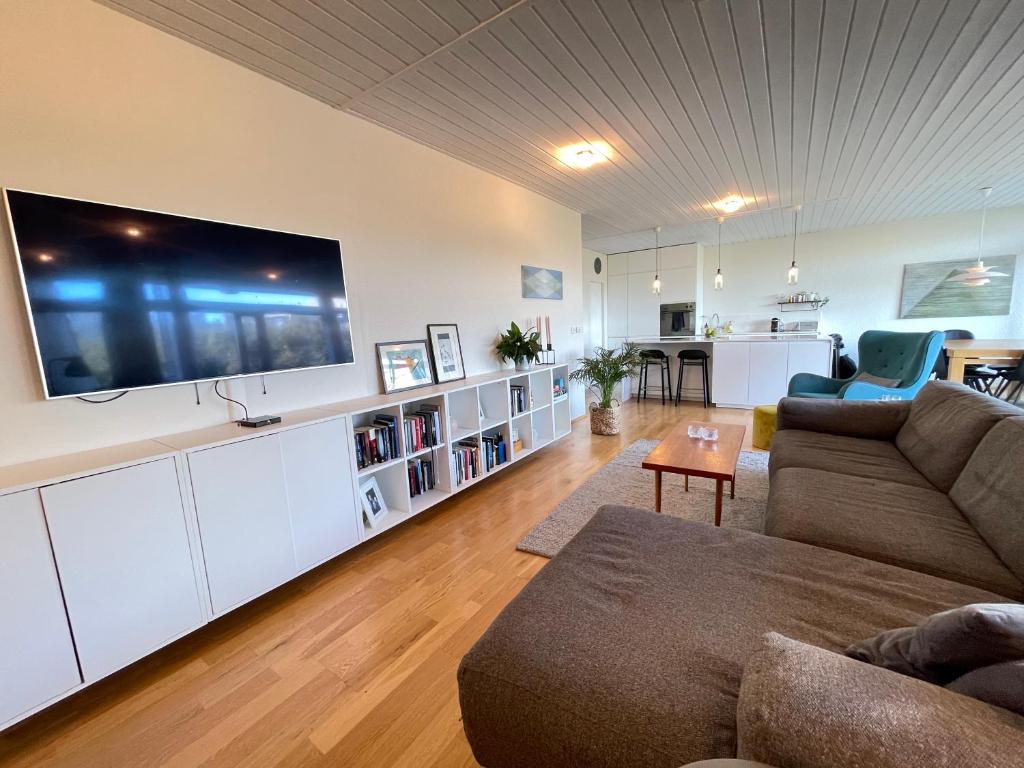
(907, 358)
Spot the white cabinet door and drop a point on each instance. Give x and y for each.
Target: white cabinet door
(678, 285)
(318, 476)
(37, 659)
(644, 315)
(124, 561)
(618, 263)
(769, 378)
(730, 372)
(809, 357)
(242, 507)
(618, 304)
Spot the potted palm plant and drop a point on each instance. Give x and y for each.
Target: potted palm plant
(521, 347)
(600, 374)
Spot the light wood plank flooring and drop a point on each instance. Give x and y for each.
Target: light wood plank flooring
(354, 663)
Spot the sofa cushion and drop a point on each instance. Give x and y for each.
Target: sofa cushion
(1001, 685)
(894, 523)
(627, 649)
(946, 423)
(860, 457)
(990, 491)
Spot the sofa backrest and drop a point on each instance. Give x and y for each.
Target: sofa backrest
(990, 491)
(946, 423)
(905, 357)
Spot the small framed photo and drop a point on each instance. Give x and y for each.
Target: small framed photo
(447, 350)
(375, 508)
(404, 365)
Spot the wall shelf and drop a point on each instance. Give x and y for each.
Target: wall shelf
(802, 306)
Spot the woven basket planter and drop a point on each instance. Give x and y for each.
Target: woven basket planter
(604, 421)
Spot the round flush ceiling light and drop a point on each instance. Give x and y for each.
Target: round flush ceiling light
(730, 204)
(584, 156)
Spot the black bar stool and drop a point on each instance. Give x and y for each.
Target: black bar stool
(694, 357)
(659, 358)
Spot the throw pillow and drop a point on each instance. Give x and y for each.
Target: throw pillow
(870, 378)
(999, 684)
(947, 645)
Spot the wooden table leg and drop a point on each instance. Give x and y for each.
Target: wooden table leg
(732, 487)
(686, 482)
(718, 501)
(956, 369)
(657, 490)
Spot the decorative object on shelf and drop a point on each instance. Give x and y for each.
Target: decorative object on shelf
(978, 275)
(517, 441)
(804, 301)
(541, 283)
(404, 365)
(521, 347)
(446, 348)
(793, 276)
(656, 285)
(559, 389)
(375, 509)
(601, 374)
(719, 280)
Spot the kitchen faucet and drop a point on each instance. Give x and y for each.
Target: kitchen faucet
(717, 320)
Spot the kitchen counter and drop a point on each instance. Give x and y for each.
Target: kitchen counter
(732, 337)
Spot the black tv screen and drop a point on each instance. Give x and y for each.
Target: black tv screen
(122, 298)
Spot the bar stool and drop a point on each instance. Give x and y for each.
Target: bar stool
(694, 357)
(659, 358)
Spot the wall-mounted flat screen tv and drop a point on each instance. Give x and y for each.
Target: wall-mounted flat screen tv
(120, 298)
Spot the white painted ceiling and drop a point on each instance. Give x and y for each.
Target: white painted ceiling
(860, 110)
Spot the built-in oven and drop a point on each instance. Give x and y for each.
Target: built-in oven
(679, 319)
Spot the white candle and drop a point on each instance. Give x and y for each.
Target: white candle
(539, 329)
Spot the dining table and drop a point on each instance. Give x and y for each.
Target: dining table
(964, 352)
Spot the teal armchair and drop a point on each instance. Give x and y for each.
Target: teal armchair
(905, 357)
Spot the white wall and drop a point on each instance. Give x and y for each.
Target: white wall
(99, 106)
(861, 270)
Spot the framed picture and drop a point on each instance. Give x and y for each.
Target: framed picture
(446, 347)
(930, 291)
(541, 283)
(404, 365)
(374, 507)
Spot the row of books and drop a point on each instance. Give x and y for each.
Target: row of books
(467, 461)
(518, 396)
(495, 450)
(421, 476)
(377, 442)
(423, 428)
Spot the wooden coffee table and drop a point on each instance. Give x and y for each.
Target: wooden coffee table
(681, 454)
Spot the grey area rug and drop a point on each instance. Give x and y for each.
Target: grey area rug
(623, 481)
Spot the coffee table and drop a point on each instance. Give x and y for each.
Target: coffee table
(681, 454)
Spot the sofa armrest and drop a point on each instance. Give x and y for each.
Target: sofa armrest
(805, 707)
(852, 418)
(813, 383)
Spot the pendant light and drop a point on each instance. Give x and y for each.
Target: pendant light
(656, 285)
(793, 277)
(719, 280)
(979, 274)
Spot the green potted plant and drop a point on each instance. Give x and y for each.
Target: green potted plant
(601, 373)
(521, 347)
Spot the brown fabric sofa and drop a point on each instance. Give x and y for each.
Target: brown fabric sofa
(934, 485)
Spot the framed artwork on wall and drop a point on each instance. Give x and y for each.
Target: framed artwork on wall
(447, 352)
(940, 289)
(404, 365)
(541, 283)
(374, 507)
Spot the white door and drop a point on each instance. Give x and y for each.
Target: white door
(769, 365)
(730, 372)
(125, 564)
(37, 659)
(242, 506)
(596, 315)
(318, 477)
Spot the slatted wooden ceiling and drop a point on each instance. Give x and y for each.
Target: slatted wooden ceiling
(861, 110)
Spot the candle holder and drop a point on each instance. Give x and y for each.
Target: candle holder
(547, 355)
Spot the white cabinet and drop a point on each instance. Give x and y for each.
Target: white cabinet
(809, 357)
(318, 479)
(769, 365)
(643, 316)
(123, 555)
(617, 304)
(618, 264)
(37, 659)
(730, 372)
(678, 285)
(242, 507)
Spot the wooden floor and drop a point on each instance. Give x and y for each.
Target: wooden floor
(354, 663)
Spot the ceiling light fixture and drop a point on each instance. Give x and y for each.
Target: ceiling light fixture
(46, 257)
(719, 280)
(656, 285)
(793, 277)
(584, 156)
(272, 275)
(730, 204)
(979, 274)
(133, 232)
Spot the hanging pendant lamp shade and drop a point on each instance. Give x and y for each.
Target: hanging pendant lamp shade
(656, 285)
(719, 280)
(793, 276)
(979, 274)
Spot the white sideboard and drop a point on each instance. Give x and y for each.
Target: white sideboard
(749, 373)
(108, 555)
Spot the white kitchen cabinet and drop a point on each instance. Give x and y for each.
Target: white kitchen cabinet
(125, 564)
(643, 314)
(242, 507)
(618, 302)
(730, 372)
(642, 261)
(808, 357)
(618, 264)
(769, 365)
(37, 658)
(318, 479)
(678, 285)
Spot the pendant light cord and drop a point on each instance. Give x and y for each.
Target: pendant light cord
(796, 214)
(986, 191)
